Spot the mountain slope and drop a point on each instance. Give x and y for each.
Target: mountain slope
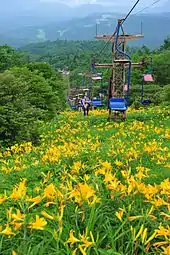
(155, 28)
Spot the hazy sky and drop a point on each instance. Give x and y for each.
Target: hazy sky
(126, 4)
(129, 3)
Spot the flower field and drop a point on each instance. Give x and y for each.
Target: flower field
(90, 187)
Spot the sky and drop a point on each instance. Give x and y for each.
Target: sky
(128, 3)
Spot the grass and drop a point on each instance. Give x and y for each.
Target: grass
(91, 187)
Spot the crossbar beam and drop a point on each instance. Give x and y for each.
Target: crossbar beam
(121, 37)
(111, 65)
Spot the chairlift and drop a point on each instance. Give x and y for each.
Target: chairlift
(146, 78)
(96, 102)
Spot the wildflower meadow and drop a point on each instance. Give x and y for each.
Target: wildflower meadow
(90, 187)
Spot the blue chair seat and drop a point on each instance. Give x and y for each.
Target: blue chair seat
(96, 103)
(117, 104)
(145, 102)
(73, 107)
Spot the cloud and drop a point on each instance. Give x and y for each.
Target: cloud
(125, 4)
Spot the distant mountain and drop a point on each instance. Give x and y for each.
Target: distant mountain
(155, 27)
(13, 13)
(35, 20)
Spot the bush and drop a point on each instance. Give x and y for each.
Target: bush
(137, 103)
(151, 91)
(26, 98)
(55, 80)
(166, 93)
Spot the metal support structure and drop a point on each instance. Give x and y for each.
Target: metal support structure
(121, 64)
(121, 37)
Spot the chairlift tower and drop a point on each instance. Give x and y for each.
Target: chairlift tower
(121, 64)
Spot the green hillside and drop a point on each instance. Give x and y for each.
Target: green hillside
(90, 187)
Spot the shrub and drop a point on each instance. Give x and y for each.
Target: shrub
(26, 98)
(137, 103)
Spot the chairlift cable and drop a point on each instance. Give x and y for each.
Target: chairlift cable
(123, 20)
(147, 7)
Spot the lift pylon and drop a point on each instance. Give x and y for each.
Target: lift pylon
(120, 67)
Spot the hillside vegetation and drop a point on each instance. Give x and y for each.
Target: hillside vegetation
(38, 91)
(91, 187)
(77, 56)
(30, 93)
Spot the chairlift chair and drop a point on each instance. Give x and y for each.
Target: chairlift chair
(146, 78)
(96, 103)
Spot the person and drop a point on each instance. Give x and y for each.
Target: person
(80, 105)
(124, 115)
(86, 105)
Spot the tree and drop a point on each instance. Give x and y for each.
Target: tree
(10, 57)
(165, 45)
(26, 98)
(42, 68)
(161, 67)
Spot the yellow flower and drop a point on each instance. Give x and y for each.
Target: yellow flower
(18, 216)
(84, 240)
(159, 202)
(2, 199)
(109, 177)
(37, 189)
(166, 250)
(39, 223)
(82, 193)
(36, 199)
(161, 231)
(46, 215)
(82, 250)
(74, 252)
(52, 155)
(50, 192)
(14, 253)
(77, 166)
(72, 239)
(49, 203)
(107, 166)
(86, 177)
(118, 163)
(7, 231)
(158, 244)
(119, 214)
(165, 187)
(19, 191)
(17, 225)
